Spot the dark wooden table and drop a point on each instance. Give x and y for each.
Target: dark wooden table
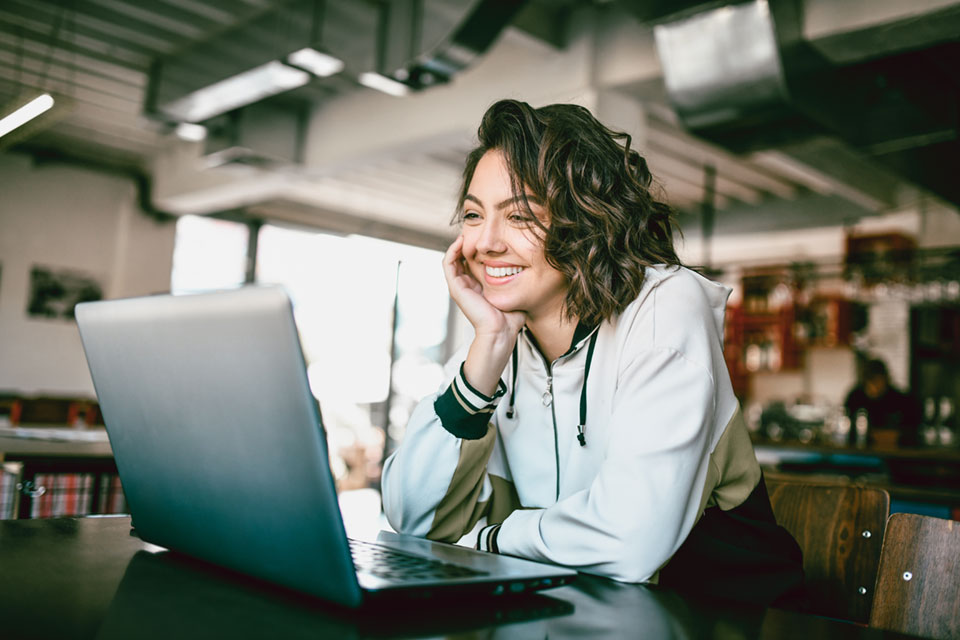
(89, 578)
(921, 474)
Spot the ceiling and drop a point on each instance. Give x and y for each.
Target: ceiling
(98, 54)
(97, 57)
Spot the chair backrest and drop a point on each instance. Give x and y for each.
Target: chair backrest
(918, 584)
(840, 530)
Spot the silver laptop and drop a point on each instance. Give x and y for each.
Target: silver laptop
(222, 453)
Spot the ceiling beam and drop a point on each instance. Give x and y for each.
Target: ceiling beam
(79, 23)
(65, 78)
(681, 144)
(24, 48)
(91, 45)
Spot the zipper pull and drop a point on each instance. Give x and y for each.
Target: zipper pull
(547, 397)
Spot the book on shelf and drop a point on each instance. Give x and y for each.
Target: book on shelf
(9, 496)
(112, 499)
(66, 494)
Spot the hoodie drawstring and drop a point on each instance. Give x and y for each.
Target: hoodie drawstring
(581, 436)
(511, 412)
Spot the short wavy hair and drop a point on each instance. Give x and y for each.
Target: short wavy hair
(605, 227)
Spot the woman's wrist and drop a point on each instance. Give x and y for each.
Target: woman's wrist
(486, 359)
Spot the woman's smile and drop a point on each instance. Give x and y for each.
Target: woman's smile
(498, 275)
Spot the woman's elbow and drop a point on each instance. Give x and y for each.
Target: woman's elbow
(394, 509)
(631, 560)
(405, 521)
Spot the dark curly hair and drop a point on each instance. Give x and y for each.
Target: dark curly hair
(604, 225)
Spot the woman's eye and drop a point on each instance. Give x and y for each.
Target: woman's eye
(521, 218)
(470, 216)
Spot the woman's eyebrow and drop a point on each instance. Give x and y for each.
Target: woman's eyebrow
(504, 204)
(525, 198)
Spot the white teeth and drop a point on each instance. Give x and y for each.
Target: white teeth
(502, 272)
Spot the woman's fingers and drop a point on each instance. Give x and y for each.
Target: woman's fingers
(454, 269)
(454, 252)
(451, 258)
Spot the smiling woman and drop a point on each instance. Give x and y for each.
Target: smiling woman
(591, 421)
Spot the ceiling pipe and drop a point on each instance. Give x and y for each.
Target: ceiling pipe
(742, 76)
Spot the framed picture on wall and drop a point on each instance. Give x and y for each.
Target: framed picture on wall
(55, 292)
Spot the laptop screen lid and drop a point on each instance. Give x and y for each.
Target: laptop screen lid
(217, 438)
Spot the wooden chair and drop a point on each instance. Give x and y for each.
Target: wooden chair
(918, 584)
(840, 530)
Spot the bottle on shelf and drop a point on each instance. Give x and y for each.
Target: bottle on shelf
(929, 430)
(836, 426)
(860, 426)
(945, 434)
(841, 436)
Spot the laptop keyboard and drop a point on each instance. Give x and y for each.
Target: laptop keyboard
(391, 564)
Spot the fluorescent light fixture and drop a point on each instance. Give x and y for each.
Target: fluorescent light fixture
(239, 90)
(191, 132)
(316, 62)
(26, 113)
(383, 83)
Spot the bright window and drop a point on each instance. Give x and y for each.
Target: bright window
(208, 254)
(343, 290)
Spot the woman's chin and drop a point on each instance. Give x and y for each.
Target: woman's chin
(506, 306)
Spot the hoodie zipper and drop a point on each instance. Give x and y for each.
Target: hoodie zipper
(547, 399)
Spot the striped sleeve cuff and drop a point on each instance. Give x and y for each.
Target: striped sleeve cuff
(487, 538)
(464, 411)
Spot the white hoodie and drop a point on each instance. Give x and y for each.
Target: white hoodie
(664, 440)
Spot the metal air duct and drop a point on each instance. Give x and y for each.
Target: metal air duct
(743, 76)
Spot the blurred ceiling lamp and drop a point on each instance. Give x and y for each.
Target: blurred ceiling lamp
(26, 113)
(244, 88)
(316, 62)
(383, 83)
(191, 132)
(22, 117)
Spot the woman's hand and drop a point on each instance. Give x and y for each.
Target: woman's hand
(486, 319)
(495, 330)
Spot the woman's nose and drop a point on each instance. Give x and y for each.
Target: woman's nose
(491, 237)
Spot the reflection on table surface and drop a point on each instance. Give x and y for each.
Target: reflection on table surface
(89, 578)
(214, 603)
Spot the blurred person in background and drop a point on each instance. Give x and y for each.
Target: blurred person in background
(591, 421)
(886, 408)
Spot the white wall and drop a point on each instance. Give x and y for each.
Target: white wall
(68, 217)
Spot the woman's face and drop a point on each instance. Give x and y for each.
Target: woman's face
(502, 246)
